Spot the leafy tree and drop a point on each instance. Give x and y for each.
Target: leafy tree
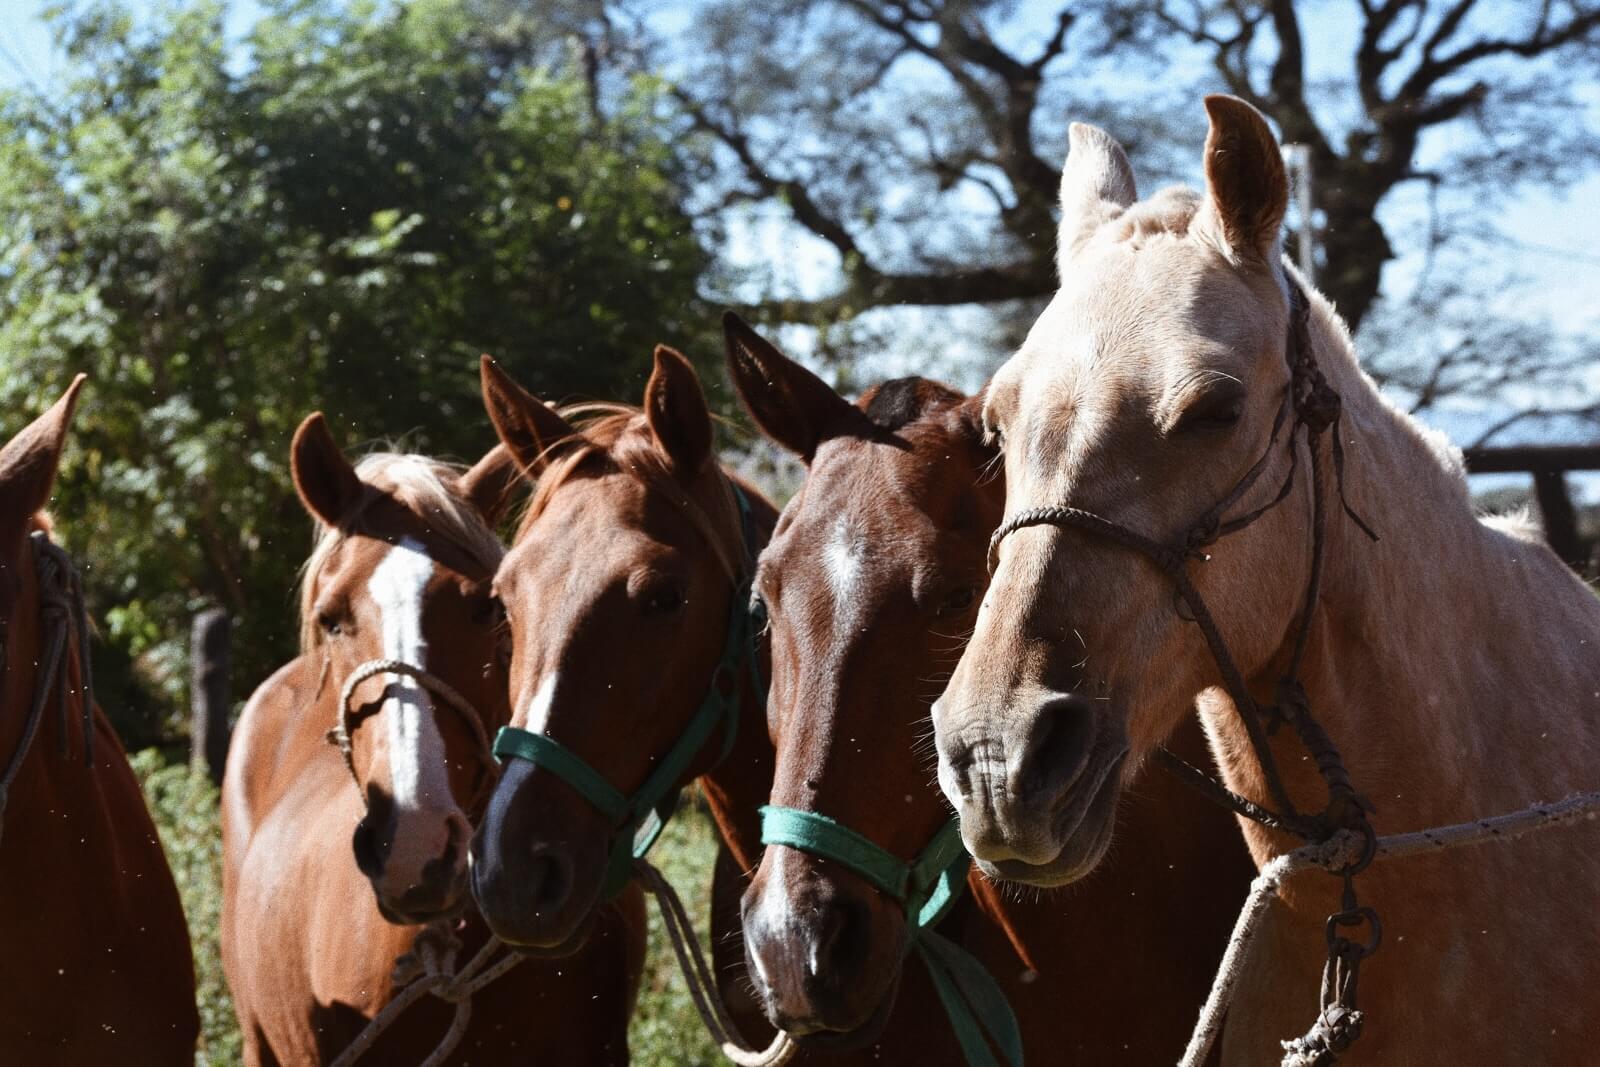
(340, 213)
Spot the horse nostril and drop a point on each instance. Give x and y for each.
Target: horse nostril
(371, 848)
(839, 936)
(549, 879)
(1058, 745)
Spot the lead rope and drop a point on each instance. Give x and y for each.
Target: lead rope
(1334, 1029)
(430, 968)
(62, 611)
(702, 985)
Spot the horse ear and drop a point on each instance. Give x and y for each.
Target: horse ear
(792, 406)
(29, 461)
(1096, 182)
(526, 425)
(1247, 188)
(675, 408)
(323, 477)
(491, 483)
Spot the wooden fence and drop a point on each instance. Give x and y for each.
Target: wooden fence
(1549, 465)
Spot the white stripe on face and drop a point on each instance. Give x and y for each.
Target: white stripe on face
(416, 751)
(544, 699)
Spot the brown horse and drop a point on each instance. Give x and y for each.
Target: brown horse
(1453, 662)
(333, 862)
(622, 586)
(871, 584)
(97, 966)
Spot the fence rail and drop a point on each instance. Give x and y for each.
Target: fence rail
(1549, 465)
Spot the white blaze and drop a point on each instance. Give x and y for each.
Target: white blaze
(842, 558)
(416, 751)
(539, 707)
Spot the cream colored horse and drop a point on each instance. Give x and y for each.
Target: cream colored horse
(1454, 662)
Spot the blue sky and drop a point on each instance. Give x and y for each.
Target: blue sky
(1556, 232)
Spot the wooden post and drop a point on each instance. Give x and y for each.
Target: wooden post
(1297, 160)
(1559, 516)
(210, 696)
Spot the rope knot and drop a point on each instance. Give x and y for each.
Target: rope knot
(1335, 1030)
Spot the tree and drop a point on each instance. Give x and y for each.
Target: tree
(341, 215)
(921, 139)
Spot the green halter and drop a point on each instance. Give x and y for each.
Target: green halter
(928, 886)
(638, 820)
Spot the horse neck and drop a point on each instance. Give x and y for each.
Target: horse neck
(737, 786)
(1450, 651)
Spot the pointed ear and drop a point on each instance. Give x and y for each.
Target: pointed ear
(525, 424)
(28, 462)
(791, 405)
(491, 484)
(1247, 189)
(323, 477)
(1096, 183)
(675, 407)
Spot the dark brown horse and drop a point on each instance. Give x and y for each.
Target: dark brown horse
(97, 966)
(622, 586)
(335, 859)
(871, 583)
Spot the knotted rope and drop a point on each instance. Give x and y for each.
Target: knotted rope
(430, 968)
(1336, 1027)
(702, 985)
(64, 619)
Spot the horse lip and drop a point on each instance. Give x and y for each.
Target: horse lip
(1074, 806)
(836, 1041)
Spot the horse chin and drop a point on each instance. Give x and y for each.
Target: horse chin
(574, 941)
(863, 1036)
(422, 917)
(1083, 830)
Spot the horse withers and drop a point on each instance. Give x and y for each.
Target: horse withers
(97, 967)
(1154, 415)
(357, 770)
(871, 584)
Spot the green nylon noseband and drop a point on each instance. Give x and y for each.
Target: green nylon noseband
(637, 820)
(928, 887)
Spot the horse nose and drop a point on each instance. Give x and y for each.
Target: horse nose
(548, 878)
(1007, 775)
(805, 958)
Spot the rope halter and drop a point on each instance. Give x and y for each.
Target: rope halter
(637, 820)
(64, 620)
(348, 719)
(928, 887)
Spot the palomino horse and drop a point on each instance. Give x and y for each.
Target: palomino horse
(97, 966)
(312, 926)
(871, 584)
(1452, 663)
(624, 586)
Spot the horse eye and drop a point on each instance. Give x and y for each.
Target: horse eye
(664, 599)
(488, 611)
(957, 601)
(1213, 413)
(329, 622)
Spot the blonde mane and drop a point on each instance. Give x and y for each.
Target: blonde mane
(615, 438)
(425, 486)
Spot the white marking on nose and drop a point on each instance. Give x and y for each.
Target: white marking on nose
(416, 751)
(774, 918)
(544, 699)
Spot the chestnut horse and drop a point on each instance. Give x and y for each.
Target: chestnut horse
(1453, 663)
(623, 586)
(871, 584)
(334, 861)
(97, 966)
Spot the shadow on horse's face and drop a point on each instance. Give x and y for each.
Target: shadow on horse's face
(871, 583)
(1144, 393)
(618, 610)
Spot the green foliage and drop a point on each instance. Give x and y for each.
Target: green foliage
(340, 214)
(184, 804)
(665, 1031)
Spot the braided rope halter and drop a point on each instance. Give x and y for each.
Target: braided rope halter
(66, 621)
(1311, 403)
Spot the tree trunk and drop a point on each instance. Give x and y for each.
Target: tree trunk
(210, 696)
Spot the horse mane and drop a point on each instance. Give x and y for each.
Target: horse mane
(424, 486)
(901, 401)
(616, 439)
